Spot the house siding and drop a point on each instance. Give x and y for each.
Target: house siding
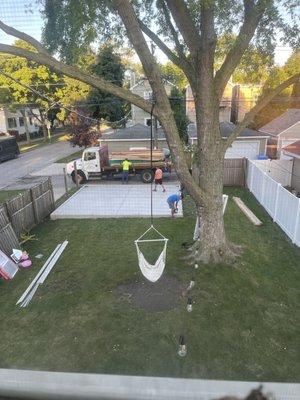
(296, 175)
(138, 115)
(244, 97)
(5, 114)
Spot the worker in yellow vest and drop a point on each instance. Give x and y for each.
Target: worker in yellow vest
(125, 170)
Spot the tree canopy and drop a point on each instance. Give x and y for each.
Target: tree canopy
(187, 31)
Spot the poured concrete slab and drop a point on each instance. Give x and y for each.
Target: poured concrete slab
(117, 200)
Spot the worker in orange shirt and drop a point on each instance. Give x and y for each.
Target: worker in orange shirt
(158, 179)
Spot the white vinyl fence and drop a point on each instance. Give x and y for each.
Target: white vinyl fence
(279, 170)
(283, 206)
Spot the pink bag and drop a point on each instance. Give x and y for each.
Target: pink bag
(26, 263)
(24, 256)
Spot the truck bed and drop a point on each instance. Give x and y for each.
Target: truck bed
(137, 166)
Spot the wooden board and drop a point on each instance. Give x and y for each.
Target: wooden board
(249, 214)
(136, 155)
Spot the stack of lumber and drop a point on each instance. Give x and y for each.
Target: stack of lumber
(27, 296)
(249, 214)
(135, 156)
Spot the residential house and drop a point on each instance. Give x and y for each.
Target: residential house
(15, 122)
(143, 89)
(283, 130)
(249, 144)
(293, 151)
(244, 97)
(225, 104)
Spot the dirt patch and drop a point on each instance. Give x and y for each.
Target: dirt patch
(164, 294)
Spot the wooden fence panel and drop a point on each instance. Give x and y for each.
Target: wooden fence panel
(23, 212)
(234, 172)
(20, 213)
(8, 238)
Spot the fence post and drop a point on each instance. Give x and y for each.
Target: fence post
(276, 201)
(296, 222)
(34, 207)
(52, 193)
(66, 183)
(251, 177)
(76, 176)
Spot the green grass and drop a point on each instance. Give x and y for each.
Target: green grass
(35, 144)
(70, 157)
(243, 326)
(8, 194)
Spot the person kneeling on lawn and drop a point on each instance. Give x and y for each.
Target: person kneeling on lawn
(173, 202)
(158, 179)
(125, 170)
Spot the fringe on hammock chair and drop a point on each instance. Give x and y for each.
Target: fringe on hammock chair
(152, 271)
(197, 225)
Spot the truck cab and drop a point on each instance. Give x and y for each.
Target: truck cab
(88, 166)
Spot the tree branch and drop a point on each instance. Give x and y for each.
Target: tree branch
(23, 36)
(162, 105)
(185, 24)
(76, 73)
(252, 15)
(261, 104)
(164, 48)
(178, 45)
(182, 62)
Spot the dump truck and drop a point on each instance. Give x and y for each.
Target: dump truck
(97, 162)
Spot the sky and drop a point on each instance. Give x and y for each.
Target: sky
(25, 16)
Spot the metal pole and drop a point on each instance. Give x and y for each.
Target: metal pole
(66, 183)
(76, 175)
(151, 159)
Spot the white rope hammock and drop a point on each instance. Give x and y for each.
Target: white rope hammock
(197, 225)
(150, 271)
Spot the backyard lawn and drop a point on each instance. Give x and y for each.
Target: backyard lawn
(8, 194)
(85, 319)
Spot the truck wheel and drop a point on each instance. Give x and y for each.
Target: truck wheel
(147, 176)
(81, 177)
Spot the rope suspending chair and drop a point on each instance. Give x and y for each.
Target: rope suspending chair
(152, 271)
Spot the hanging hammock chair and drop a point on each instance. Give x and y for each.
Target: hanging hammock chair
(152, 271)
(197, 225)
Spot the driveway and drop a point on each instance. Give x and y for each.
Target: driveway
(16, 174)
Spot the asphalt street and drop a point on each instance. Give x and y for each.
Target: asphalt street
(16, 174)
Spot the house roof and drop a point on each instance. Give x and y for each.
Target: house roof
(227, 128)
(140, 131)
(283, 122)
(293, 148)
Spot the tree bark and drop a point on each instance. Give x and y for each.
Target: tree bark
(27, 133)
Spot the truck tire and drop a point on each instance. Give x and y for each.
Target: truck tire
(147, 176)
(81, 177)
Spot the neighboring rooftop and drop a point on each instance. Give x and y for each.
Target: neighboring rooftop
(283, 122)
(226, 129)
(138, 131)
(293, 148)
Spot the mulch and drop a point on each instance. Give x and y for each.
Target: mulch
(165, 294)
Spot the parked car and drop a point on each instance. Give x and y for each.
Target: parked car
(8, 148)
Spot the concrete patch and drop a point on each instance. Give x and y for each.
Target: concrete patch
(117, 201)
